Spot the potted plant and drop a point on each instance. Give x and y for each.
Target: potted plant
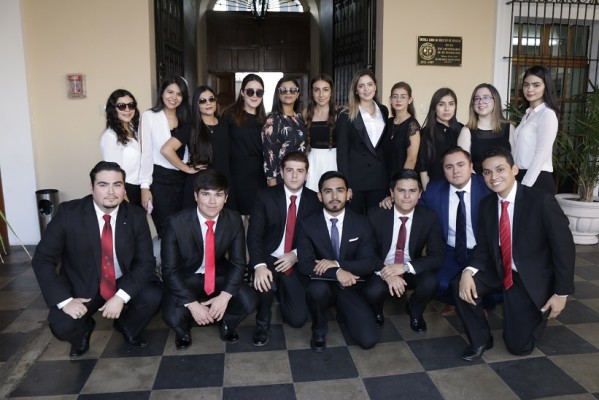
(577, 157)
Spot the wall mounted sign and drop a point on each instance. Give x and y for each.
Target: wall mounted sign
(76, 85)
(440, 50)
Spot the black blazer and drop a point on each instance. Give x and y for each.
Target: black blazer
(361, 162)
(542, 245)
(267, 222)
(182, 251)
(356, 249)
(426, 246)
(72, 242)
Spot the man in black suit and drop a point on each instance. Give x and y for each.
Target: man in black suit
(202, 283)
(336, 248)
(525, 249)
(98, 270)
(410, 250)
(271, 244)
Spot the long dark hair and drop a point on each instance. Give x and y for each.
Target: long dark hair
(405, 86)
(236, 111)
(431, 117)
(549, 96)
(312, 105)
(200, 142)
(112, 118)
(277, 106)
(183, 109)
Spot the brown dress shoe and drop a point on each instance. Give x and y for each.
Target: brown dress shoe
(448, 311)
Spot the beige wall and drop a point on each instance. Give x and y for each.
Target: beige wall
(404, 20)
(111, 42)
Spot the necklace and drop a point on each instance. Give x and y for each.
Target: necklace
(211, 129)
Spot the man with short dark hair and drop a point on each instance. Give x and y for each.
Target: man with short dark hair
(336, 249)
(272, 245)
(83, 267)
(525, 249)
(410, 250)
(203, 263)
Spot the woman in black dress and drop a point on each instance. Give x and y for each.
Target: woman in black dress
(245, 119)
(440, 132)
(402, 140)
(486, 127)
(207, 143)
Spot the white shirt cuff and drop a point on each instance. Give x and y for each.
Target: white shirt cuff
(63, 303)
(259, 265)
(123, 295)
(474, 270)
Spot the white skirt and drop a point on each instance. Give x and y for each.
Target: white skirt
(321, 161)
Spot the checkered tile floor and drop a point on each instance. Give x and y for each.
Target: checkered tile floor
(404, 365)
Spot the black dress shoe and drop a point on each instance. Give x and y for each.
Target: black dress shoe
(135, 341)
(79, 349)
(261, 337)
(379, 319)
(475, 353)
(418, 324)
(318, 343)
(227, 334)
(182, 341)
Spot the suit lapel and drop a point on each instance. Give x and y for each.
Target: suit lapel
(387, 227)
(445, 209)
(519, 204)
(281, 205)
(120, 243)
(322, 229)
(363, 133)
(414, 233)
(196, 231)
(92, 229)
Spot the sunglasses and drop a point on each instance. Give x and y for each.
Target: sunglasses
(210, 99)
(251, 92)
(122, 106)
(289, 90)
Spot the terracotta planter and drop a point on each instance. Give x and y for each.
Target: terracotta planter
(583, 216)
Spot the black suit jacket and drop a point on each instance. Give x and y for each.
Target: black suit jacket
(269, 216)
(182, 251)
(72, 242)
(542, 245)
(356, 249)
(357, 158)
(426, 246)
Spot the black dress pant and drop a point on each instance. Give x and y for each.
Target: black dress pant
(351, 305)
(522, 319)
(167, 194)
(292, 296)
(178, 317)
(136, 314)
(362, 200)
(424, 284)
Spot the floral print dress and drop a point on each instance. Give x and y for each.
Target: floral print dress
(281, 134)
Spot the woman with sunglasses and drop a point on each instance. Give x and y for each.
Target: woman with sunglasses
(119, 142)
(402, 141)
(360, 131)
(321, 139)
(162, 182)
(537, 131)
(284, 130)
(207, 142)
(245, 119)
(439, 133)
(486, 127)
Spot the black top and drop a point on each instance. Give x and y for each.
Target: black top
(432, 149)
(396, 143)
(319, 136)
(483, 140)
(182, 131)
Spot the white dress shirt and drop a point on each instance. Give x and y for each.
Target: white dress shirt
(128, 156)
(374, 125)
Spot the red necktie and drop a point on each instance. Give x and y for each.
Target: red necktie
(505, 240)
(108, 279)
(401, 242)
(290, 229)
(209, 264)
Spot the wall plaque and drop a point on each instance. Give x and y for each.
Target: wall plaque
(440, 50)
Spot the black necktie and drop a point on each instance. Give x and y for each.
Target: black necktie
(461, 248)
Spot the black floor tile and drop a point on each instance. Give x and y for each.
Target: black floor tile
(586, 290)
(22, 284)
(259, 392)
(533, 378)
(116, 396)
(48, 378)
(277, 340)
(559, 340)
(439, 353)
(38, 303)
(156, 339)
(7, 317)
(333, 363)
(577, 313)
(193, 371)
(12, 343)
(409, 386)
